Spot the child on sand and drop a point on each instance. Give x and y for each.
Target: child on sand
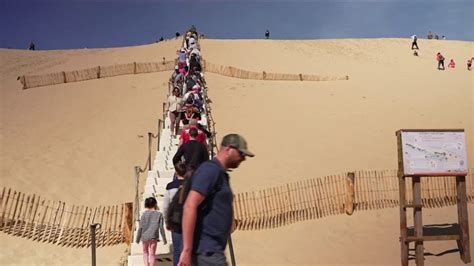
(452, 64)
(151, 225)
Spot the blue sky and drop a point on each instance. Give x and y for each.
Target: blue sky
(64, 24)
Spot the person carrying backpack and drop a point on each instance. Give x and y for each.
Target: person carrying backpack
(171, 190)
(207, 212)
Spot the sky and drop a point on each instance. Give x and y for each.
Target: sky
(68, 24)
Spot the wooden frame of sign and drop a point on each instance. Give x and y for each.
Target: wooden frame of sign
(416, 160)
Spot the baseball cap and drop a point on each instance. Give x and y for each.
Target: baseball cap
(238, 142)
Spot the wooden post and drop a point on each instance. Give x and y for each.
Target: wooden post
(17, 219)
(2, 209)
(463, 219)
(150, 135)
(127, 222)
(158, 136)
(40, 225)
(48, 225)
(403, 220)
(12, 222)
(33, 225)
(350, 197)
(418, 221)
(137, 182)
(120, 237)
(28, 218)
(85, 233)
(164, 114)
(321, 199)
(24, 222)
(63, 227)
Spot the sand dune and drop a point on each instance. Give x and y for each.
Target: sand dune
(78, 142)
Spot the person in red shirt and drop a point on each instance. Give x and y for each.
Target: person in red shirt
(201, 137)
(440, 59)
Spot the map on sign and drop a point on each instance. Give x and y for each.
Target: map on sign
(434, 153)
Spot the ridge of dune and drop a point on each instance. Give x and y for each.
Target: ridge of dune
(74, 141)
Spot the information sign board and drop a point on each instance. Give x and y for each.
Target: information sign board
(433, 152)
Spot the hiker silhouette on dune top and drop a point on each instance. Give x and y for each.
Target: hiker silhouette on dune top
(414, 44)
(31, 46)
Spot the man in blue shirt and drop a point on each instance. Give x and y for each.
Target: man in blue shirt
(207, 212)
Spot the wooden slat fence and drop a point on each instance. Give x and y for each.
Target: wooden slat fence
(38, 219)
(99, 72)
(320, 197)
(230, 71)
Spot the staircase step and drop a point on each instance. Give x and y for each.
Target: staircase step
(162, 260)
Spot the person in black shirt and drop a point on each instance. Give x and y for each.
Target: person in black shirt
(193, 151)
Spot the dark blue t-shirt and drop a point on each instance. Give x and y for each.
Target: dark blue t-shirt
(214, 218)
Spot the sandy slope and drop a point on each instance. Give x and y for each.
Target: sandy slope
(74, 141)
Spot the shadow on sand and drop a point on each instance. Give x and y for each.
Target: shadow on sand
(434, 230)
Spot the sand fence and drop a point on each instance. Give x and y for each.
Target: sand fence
(234, 72)
(32, 81)
(337, 194)
(38, 219)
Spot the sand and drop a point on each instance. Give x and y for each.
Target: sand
(79, 142)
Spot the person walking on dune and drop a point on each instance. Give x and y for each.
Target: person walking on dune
(440, 59)
(207, 212)
(414, 44)
(31, 47)
(267, 34)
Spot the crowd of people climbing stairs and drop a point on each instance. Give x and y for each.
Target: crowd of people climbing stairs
(198, 202)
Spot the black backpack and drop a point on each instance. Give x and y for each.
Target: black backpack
(175, 210)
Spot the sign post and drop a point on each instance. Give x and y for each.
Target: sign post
(430, 153)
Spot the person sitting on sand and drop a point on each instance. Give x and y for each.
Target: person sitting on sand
(440, 59)
(469, 64)
(452, 64)
(415, 52)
